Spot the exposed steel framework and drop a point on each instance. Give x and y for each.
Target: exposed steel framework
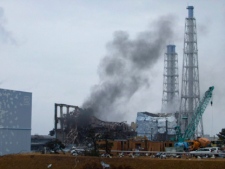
(170, 81)
(190, 91)
(74, 125)
(60, 124)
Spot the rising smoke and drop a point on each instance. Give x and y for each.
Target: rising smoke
(125, 69)
(5, 35)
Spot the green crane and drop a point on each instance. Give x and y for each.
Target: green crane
(192, 126)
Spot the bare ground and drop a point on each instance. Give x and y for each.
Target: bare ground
(60, 161)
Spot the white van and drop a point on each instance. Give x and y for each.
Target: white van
(207, 151)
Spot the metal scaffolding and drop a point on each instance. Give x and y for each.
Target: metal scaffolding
(190, 91)
(170, 81)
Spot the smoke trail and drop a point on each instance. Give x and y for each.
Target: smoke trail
(5, 36)
(123, 71)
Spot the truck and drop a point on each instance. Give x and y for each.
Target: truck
(192, 145)
(200, 142)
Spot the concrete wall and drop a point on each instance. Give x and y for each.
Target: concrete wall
(15, 121)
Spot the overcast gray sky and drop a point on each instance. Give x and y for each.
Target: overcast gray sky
(53, 49)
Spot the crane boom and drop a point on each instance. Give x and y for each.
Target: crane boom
(192, 126)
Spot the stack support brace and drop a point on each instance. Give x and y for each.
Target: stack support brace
(190, 91)
(170, 81)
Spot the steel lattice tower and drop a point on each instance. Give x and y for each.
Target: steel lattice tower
(170, 81)
(190, 91)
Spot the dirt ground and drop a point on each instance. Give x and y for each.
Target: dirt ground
(60, 161)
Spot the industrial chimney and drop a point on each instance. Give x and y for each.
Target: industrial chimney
(190, 92)
(170, 81)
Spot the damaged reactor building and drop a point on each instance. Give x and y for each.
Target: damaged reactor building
(156, 127)
(75, 125)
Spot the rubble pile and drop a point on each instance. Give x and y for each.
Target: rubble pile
(78, 123)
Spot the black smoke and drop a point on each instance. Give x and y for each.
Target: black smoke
(125, 69)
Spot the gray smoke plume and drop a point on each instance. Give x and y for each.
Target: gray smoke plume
(5, 35)
(125, 69)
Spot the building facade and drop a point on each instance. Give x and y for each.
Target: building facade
(15, 121)
(156, 127)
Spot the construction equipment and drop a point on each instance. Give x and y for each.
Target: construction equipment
(181, 146)
(189, 133)
(198, 143)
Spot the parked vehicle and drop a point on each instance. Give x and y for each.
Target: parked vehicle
(158, 155)
(215, 150)
(163, 156)
(221, 154)
(203, 152)
(77, 151)
(106, 155)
